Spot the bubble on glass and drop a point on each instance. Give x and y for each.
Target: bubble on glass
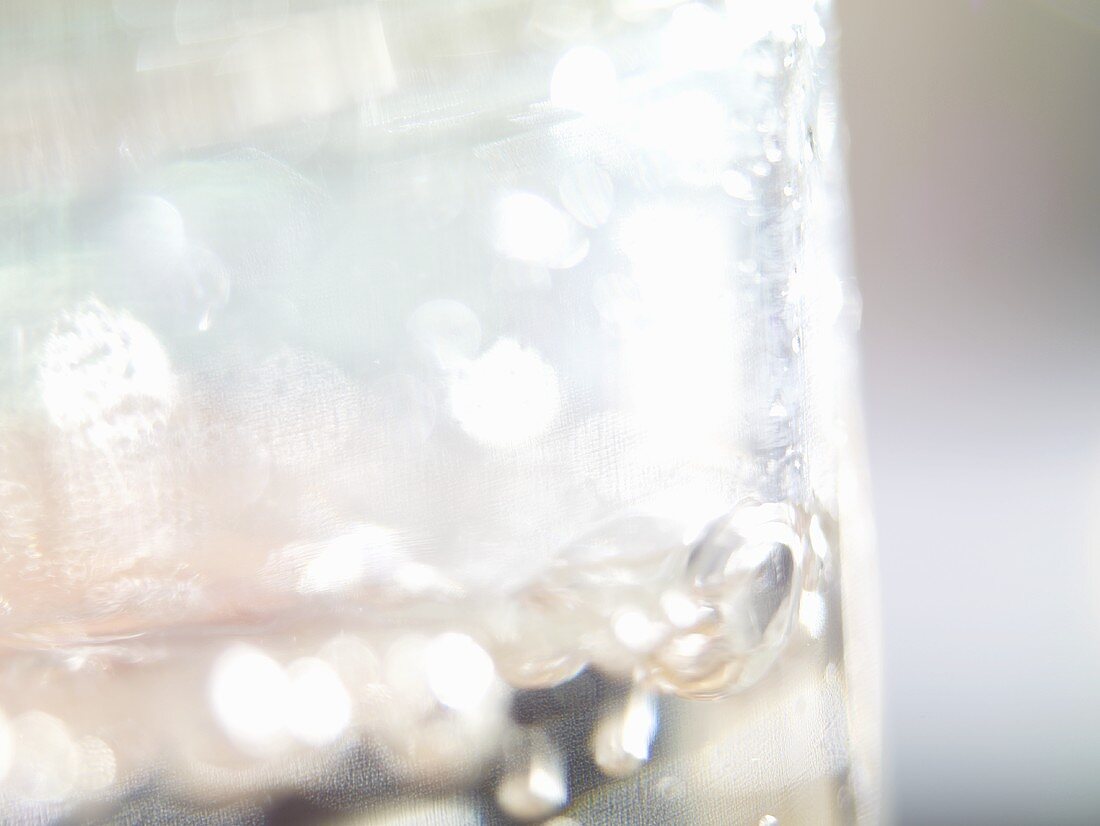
(533, 784)
(534, 642)
(506, 396)
(584, 80)
(105, 377)
(530, 229)
(622, 740)
(445, 332)
(588, 194)
(45, 758)
(249, 693)
(747, 571)
(319, 707)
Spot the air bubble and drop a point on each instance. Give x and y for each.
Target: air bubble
(747, 571)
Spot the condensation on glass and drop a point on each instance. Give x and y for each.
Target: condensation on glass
(429, 411)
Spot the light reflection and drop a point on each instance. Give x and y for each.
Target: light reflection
(584, 80)
(45, 759)
(634, 10)
(460, 673)
(98, 765)
(812, 614)
(696, 39)
(319, 708)
(528, 228)
(680, 361)
(446, 332)
(637, 631)
(687, 134)
(506, 396)
(249, 693)
(365, 553)
(737, 185)
(5, 746)
(106, 376)
(588, 194)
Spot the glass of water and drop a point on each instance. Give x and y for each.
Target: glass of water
(418, 411)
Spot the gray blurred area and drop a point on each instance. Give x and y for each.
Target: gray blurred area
(975, 169)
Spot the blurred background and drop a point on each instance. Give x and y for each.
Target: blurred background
(975, 175)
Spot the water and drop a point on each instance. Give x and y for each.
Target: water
(422, 412)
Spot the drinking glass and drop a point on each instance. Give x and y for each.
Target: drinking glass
(417, 411)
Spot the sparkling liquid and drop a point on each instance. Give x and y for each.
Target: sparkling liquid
(424, 412)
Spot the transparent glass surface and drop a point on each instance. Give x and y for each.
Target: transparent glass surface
(429, 412)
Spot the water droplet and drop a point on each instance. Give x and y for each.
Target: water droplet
(621, 741)
(769, 820)
(532, 786)
(584, 80)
